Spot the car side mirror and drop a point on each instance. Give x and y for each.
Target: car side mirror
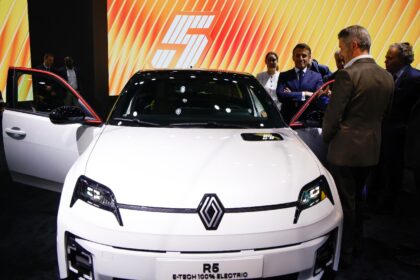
(67, 115)
(312, 123)
(313, 119)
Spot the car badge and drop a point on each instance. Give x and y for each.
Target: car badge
(211, 211)
(261, 137)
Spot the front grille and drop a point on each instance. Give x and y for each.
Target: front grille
(292, 276)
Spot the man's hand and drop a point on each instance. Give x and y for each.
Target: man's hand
(325, 91)
(286, 89)
(308, 94)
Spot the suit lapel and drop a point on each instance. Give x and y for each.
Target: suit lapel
(402, 77)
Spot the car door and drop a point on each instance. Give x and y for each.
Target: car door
(38, 152)
(308, 122)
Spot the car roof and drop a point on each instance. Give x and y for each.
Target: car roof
(193, 71)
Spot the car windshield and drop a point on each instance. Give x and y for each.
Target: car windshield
(192, 98)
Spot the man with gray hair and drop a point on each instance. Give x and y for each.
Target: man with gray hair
(352, 127)
(398, 61)
(388, 176)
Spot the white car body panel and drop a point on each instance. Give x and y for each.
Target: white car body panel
(185, 163)
(312, 136)
(160, 177)
(47, 151)
(167, 178)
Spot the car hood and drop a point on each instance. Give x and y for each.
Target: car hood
(175, 167)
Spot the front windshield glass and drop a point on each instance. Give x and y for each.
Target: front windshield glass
(190, 98)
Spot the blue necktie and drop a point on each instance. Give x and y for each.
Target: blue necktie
(300, 75)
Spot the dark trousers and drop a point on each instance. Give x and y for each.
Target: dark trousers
(350, 182)
(386, 178)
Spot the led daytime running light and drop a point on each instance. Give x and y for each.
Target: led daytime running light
(97, 195)
(312, 194)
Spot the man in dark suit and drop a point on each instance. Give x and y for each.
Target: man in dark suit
(70, 73)
(320, 68)
(407, 80)
(352, 127)
(339, 62)
(46, 96)
(297, 84)
(48, 63)
(388, 175)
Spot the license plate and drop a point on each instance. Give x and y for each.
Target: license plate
(233, 268)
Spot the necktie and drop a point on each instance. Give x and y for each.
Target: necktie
(300, 75)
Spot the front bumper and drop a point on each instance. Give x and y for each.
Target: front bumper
(307, 260)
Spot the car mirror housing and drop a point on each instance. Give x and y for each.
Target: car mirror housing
(67, 115)
(312, 123)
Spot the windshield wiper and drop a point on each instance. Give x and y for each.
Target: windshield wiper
(137, 121)
(208, 124)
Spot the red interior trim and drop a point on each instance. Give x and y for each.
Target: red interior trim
(293, 121)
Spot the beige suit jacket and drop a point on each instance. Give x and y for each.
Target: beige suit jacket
(361, 96)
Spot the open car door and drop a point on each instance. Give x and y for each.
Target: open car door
(38, 152)
(307, 122)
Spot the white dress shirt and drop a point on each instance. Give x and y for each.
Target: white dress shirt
(72, 79)
(303, 98)
(269, 82)
(350, 63)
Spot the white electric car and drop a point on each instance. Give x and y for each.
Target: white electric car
(194, 175)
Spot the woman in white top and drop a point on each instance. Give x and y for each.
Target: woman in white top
(269, 78)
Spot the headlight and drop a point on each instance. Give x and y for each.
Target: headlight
(312, 194)
(97, 195)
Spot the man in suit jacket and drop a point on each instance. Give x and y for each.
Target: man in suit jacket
(47, 64)
(339, 62)
(320, 68)
(388, 175)
(297, 84)
(352, 127)
(47, 97)
(70, 73)
(407, 80)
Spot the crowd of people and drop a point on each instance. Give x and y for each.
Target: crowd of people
(68, 71)
(48, 94)
(371, 124)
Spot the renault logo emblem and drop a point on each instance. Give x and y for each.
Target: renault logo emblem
(211, 211)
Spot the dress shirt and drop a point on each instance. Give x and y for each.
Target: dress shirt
(353, 60)
(297, 71)
(269, 82)
(72, 79)
(303, 71)
(398, 74)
